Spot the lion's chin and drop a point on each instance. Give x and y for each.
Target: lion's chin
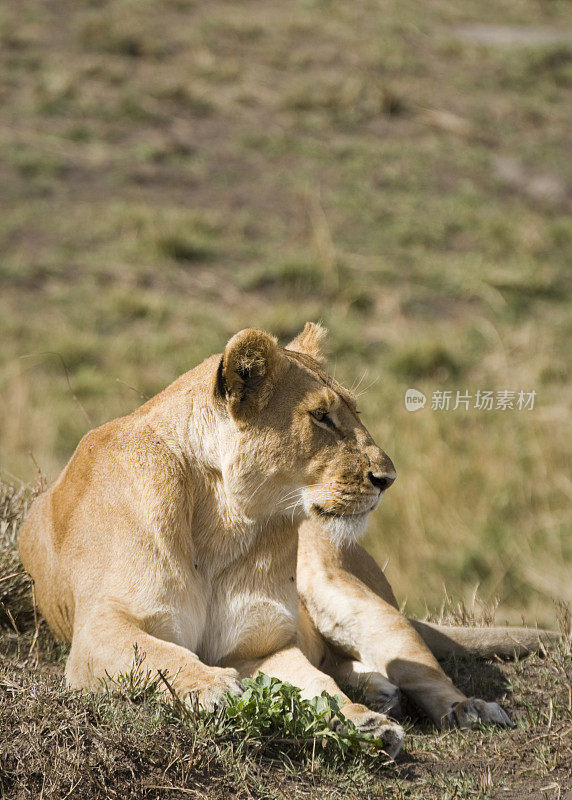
(343, 530)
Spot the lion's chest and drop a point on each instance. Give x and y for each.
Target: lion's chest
(250, 606)
(244, 622)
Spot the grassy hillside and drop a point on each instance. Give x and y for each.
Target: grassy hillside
(174, 171)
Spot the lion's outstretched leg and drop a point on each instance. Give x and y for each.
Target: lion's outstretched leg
(448, 640)
(291, 665)
(365, 625)
(105, 644)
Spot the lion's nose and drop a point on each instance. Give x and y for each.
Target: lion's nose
(381, 480)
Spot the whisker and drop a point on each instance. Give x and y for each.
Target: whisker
(294, 492)
(294, 509)
(355, 388)
(260, 485)
(368, 387)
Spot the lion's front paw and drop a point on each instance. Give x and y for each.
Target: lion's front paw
(390, 733)
(469, 712)
(210, 692)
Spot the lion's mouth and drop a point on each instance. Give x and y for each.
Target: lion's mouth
(322, 512)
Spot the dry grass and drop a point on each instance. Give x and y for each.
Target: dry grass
(16, 606)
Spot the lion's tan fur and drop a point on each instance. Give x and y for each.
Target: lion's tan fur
(176, 528)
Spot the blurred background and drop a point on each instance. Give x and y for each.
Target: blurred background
(173, 170)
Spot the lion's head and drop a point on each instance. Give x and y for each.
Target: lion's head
(293, 442)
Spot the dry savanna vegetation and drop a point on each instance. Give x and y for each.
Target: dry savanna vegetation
(174, 171)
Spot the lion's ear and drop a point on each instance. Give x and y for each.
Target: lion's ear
(309, 342)
(249, 366)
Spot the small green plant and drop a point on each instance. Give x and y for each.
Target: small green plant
(273, 711)
(139, 685)
(269, 713)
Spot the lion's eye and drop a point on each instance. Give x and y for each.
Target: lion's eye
(322, 417)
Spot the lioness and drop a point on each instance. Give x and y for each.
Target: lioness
(176, 528)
